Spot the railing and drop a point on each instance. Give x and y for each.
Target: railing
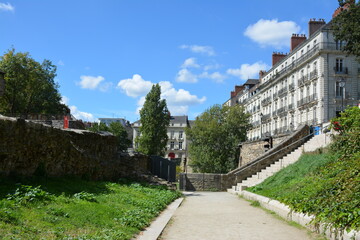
(256, 123)
(275, 95)
(307, 99)
(291, 86)
(283, 91)
(341, 71)
(265, 117)
(281, 110)
(313, 74)
(266, 101)
(291, 106)
(274, 113)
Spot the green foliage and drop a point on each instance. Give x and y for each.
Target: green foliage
(102, 210)
(326, 185)
(214, 138)
(154, 119)
(346, 27)
(85, 196)
(347, 142)
(29, 86)
(117, 129)
(28, 194)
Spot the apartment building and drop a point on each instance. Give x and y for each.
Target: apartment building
(177, 142)
(311, 84)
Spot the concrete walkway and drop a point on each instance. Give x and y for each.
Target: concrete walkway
(223, 216)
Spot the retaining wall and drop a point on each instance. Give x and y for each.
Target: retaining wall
(28, 148)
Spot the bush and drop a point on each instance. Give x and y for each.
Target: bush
(28, 194)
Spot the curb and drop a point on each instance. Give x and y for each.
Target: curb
(305, 220)
(157, 226)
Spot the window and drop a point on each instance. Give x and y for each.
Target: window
(172, 144)
(180, 145)
(339, 91)
(339, 65)
(339, 45)
(172, 135)
(181, 134)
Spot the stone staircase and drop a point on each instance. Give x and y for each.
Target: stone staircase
(316, 142)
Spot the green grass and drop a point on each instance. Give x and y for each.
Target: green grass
(320, 184)
(69, 208)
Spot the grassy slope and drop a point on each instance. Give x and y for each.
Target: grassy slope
(319, 184)
(69, 208)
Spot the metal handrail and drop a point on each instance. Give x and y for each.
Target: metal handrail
(258, 160)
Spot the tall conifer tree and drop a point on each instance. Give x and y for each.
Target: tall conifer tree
(154, 119)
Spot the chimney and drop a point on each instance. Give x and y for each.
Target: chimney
(296, 40)
(261, 74)
(342, 8)
(238, 89)
(232, 94)
(315, 25)
(276, 57)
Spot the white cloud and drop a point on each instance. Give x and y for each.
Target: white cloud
(82, 115)
(212, 66)
(6, 7)
(135, 86)
(207, 50)
(77, 113)
(190, 63)
(90, 82)
(248, 71)
(272, 32)
(60, 63)
(215, 76)
(186, 76)
(104, 87)
(178, 101)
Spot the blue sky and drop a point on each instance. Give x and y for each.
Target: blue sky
(108, 53)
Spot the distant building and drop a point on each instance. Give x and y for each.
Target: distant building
(107, 121)
(177, 142)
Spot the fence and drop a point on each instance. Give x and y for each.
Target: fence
(163, 168)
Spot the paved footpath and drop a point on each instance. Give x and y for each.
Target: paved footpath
(223, 216)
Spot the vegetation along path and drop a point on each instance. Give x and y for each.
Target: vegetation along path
(220, 215)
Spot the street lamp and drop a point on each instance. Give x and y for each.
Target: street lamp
(342, 85)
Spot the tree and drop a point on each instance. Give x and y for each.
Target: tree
(347, 28)
(117, 129)
(154, 119)
(29, 86)
(214, 138)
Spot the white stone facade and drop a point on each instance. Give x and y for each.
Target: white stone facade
(177, 142)
(303, 87)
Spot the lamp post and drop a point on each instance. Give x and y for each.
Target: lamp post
(342, 85)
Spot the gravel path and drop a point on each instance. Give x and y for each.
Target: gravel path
(223, 216)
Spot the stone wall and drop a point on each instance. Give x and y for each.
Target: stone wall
(221, 182)
(28, 148)
(252, 150)
(201, 182)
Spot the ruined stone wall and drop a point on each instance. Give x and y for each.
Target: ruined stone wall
(252, 150)
(202, 182)
(28, 148)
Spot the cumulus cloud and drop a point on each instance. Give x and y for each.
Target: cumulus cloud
(215, 76)
(184, 75)
(272, 32)
(178, 101)
(134, 86)
(248, 71)
(77, 113)
(90, 82)
(6, 7)
(207, 50)
(190, 63)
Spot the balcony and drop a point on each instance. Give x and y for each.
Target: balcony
(266, 117)
(307, 99)
(291, 106)
(283, 91)
(281, 110)
(275, 95)
(341, 70)
(266, 101)
(291, 86)
(313, 74)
